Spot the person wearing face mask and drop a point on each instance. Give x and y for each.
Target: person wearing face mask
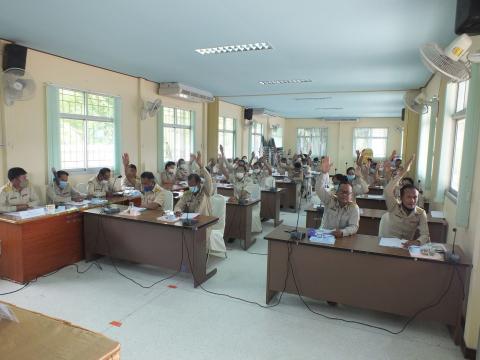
(61, 191)
(17, 195)
(405, 217)
(337, 179)
(153, 196)
(182, 170)
(354, 177)
(167, 177)
(240, 181)
(341, 214)
(197, 198)
(130, 180)
(296, 176)
(100, 186)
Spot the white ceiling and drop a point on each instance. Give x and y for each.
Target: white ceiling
(361, 53)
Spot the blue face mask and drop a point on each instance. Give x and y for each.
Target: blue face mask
(148, 188)
(193, 189)
(350, 177)
(62, 184)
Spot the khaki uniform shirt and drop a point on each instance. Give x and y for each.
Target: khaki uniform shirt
(199, 202)
(125, 183)
(240, 187)
(167, 179)
(157, 195)
(335, 216)
(182, 174)
(11, 197)
(404, 225)
(57, 195)
(97, 188)
(359, 186)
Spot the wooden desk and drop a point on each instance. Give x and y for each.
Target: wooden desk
(288, 199)
(270, 206)
(238, 222)
(370, 223)
(369, 201)
(270, 202)
(36, 246)
(375, 190)
(146, 240)
(40, 337)
(356, 271)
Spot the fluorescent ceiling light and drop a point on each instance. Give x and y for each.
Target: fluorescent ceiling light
(313, 98)
(235, 48)
(329, 108)
(281, 82)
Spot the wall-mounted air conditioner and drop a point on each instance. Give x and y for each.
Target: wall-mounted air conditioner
(184, 92)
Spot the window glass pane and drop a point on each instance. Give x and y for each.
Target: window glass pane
(378, 132)
(228, 145)
(277, 135)
(168, 144)
(461, 96)
(371, 138)
(183, 117)
(99, 105)
(72, 144)
(168, 115)
(362, 132)
(457, 155)
(182, 144)
(314, 139)
(71, 102)
(220, 123)
(100, 144)
(229, 124)
(379, 147)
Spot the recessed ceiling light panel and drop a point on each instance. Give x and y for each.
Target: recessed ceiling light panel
(227, 49)
(329, 108)
(282, 82)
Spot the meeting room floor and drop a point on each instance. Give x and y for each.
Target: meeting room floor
(173, 320)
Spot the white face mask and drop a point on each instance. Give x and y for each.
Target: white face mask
(240, 175)
(104, 182)
(257, 171)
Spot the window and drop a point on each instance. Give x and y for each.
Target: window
(457, 156)
(227, 136)
(459, 119)
(423, 140)
(177, 134)
(314, 139)
(256, 135)
(277, 136)
(371, 138)
(86, 130)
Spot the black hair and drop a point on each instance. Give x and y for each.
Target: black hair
(147, 175)
(409, 179)
(169, 163)
(243, 162)
(283, 159)
(131, 166)
(15, 172)
(195, 177)
(297, 165)
(350, 168)
(344, 182)
(180, 160)
(61, 173)
(340, 177)
(405, 188)
(103, 171)
(315, 158)
(242, 166)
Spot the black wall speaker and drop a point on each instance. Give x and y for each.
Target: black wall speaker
(403, 114)
(14, 56)
(248, 114)
(468, 17)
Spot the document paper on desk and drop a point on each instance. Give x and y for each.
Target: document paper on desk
(27, 214)
(323, 239)
(7, 314)
(392, 242)
(186, 216)
(78, 203)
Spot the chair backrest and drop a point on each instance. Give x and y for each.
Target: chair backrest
(384, 225)
(168, 204)
(81, 188)
(254, 190)
(219, 208)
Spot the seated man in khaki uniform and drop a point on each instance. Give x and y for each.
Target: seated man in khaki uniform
(99, 186)
(341, 214)
(17, 195)
(197, 198)
(238, 178)
(359, 185)
(61, 191)
(153, 196)
(130, 180)
(167, 177)
(405, 217)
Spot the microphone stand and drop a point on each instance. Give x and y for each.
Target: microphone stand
(450, 256)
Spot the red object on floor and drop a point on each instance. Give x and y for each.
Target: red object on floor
(116, 323)
(172, 286)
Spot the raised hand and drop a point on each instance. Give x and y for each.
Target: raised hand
(125, 159)
(326, 165)
(409, 164)
(199, 159)
(358, 171)
(221, 150)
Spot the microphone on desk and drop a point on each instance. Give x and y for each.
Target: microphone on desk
(450, 256)
(187, 221)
